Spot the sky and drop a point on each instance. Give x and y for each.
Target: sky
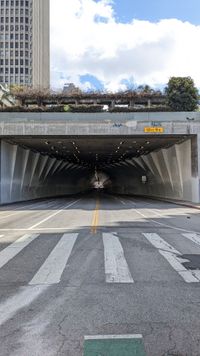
(115, 45)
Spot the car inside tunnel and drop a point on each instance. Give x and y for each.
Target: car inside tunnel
(148, 165)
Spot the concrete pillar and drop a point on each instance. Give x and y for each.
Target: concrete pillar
(131, 103)
(195, 162)
(112, 104)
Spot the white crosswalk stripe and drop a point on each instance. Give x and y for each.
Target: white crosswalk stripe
(15, 248)
(193, 237)
(116, 268)
(52, 269)
(173, 257)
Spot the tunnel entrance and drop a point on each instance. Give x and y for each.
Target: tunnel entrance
(100, 181)
(150, 165)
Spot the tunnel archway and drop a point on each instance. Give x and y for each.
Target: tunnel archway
(34, 167)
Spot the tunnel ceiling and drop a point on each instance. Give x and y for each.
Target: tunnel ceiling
(96, 151)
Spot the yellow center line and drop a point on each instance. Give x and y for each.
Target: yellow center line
(95, 220)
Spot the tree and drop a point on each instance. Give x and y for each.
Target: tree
(145, 89)
(182, 95)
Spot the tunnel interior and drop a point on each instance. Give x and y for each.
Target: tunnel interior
(153, 165)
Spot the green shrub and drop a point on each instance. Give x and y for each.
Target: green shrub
(86, 108)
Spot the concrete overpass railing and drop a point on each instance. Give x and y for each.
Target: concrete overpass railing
(97, 123)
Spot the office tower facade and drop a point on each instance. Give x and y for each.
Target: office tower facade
(41, 47)
(24, 43)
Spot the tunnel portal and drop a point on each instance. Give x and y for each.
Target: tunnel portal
(44, 166)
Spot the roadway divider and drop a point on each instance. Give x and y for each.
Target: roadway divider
(95, 219)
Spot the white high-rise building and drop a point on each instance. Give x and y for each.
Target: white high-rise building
(24, 43)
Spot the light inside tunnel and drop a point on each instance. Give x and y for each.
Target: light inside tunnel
(153, 165)
(100, 180)
(97, 151)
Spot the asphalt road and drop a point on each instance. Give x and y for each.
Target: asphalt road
(99, 265)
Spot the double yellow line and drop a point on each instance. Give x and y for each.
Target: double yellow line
(95, 220)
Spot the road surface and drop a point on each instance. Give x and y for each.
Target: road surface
(99, 264)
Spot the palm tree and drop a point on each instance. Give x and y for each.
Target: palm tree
(6, 99)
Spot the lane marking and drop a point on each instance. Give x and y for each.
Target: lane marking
(193, 237)
(54, 214)
(27, 211)
(168, 212)
(116, 268)
(121, 201)
(161, 224)
(28, 205)
(95, 220)
(107, 337)
(51, 270)
(40, 229)
(165, 225)
(174, 257)
(15, 248)
(21, 207)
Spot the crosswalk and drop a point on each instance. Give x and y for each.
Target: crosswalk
(173, 256)
(52, 269)
(15, 248)
(118, 268)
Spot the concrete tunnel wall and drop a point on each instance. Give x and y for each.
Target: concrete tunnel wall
(171, 173)
(28, 175)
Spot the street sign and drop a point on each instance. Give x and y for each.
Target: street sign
(154, 129)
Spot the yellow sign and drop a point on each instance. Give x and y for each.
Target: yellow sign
(154, 129)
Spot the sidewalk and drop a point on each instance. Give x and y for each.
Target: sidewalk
(183, 203)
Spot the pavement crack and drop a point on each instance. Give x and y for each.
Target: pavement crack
(172, 350)
(151, 330)
(63, 336)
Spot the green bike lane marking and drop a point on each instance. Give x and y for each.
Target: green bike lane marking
(114, 345)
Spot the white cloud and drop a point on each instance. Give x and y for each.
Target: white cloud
(87, 39)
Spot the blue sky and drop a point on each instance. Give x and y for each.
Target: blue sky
(154, 10)
(115, 44)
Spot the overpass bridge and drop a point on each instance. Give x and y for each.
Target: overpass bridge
(51, 154)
